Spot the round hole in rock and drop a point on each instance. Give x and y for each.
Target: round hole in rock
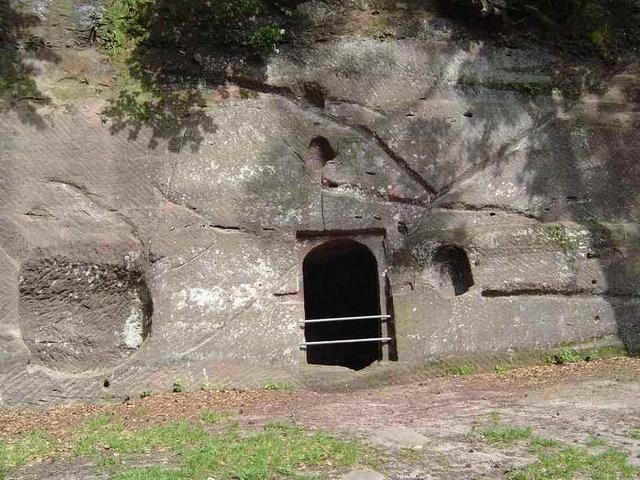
(341, 280)
(323, 148)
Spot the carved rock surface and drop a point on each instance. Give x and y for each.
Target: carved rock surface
(79, 316)
(387, 124)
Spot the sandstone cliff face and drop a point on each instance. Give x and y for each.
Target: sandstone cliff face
(502, 211)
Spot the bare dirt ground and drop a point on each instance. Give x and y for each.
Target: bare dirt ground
(428, 429)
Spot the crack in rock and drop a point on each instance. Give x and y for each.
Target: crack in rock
(100, 202)
(538, 292)
(192, 259)
(332, 186)
(399, 160)
(468, 207)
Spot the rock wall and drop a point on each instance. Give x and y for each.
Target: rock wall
(502, 209)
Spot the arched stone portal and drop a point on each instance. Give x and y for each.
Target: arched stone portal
(341, 280)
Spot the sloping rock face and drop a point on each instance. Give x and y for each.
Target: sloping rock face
(502, 209)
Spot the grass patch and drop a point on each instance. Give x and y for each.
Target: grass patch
(106, 461)
(153, 473)
(606, 353)
(506, 435)
(146, 393)
(541, 444)
(594, 442)
(212, 417)
(576, 462)
(411, 456)
(570, 355)
(33, 447)
(502, 369)
(279, 450)
(3, 459)
(564, 356)
(102, 433)
(178, 386)
(635, 434)
(458, 370)
(558, 461)
(279, 386)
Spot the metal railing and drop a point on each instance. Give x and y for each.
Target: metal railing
(350, 340)
(342, 319)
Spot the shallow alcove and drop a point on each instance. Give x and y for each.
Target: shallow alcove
(315, 94)
(319, 153)
(341, 280)
(453, 268)
(78, 316)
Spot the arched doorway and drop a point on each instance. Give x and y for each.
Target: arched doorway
(341, 280)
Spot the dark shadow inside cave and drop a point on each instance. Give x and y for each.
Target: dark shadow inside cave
(341, 280)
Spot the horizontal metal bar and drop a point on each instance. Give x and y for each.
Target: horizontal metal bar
(341, 319)
(353, 340)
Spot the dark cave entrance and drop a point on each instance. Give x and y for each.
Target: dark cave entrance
(341, 280)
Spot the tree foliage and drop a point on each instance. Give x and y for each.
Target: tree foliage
(610, 26)
(189, 24)
(165, 50)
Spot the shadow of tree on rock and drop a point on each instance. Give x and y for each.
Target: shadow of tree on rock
(577, 172)
(176, 52)
(173, 113)
(20, 51)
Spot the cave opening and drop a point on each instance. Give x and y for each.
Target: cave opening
(341, 280)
